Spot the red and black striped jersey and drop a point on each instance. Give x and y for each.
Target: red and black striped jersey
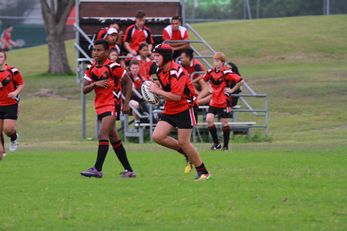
(176, 80)
(10, 78)
(104, 97)
(218, 81)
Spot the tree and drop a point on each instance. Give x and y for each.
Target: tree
(55, 14)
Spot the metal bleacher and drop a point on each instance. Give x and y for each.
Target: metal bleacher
(251, 113)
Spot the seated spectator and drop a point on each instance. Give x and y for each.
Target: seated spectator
(112, 38)
(113, 55)
(192, 65)
(176, 32)
(144, 62)
(136, 101)
(136, 34)
(234, 99)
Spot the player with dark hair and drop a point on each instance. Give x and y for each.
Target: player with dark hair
(176, 32)
(11, 85)
(102, 76)
(220, 78)
(233, 99)
(180, 107)
(6, 38)
(144, 61)
(193, 65)
(136, 34)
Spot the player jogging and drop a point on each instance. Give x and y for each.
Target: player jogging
(179, 109)
(11, 85)
(220, 78)
(101, 77)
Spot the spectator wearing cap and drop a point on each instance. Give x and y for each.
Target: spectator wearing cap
(176, 32)
(136, 34)
(112, 38)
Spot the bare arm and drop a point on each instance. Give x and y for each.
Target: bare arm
(88, 86)
(15, 93)
(128, 48)
(204, 88)
(236, 87)
(128, 90)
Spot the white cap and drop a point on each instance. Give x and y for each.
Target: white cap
(112, 31)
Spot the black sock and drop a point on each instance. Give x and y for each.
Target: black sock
(102, 152)
(201, 169)
(122, 155)
(226, 135)
(182, 152)
(213, 131)
(13, 137)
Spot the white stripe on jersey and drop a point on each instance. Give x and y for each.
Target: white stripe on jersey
(87, 78)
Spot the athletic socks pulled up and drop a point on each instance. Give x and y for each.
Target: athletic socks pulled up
(226, 135)
(122, 155)
(213, 131)
(102, 152)
(201, 169)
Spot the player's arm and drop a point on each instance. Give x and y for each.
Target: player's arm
(128, 90)
(168, 95)
(237, 86)
(18, 79)
(204, 88)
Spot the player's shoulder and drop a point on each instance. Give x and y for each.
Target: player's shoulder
(177, 71)
(227, 72)
(210, 70)
(112, 65)
(12, 69)
(146, 28)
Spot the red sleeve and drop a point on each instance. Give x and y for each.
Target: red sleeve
(119, 72)
(87, 75)
(207, 76)
(18, 78)
(186, 36)
(233, 77)
(166, 35)
(127, 35)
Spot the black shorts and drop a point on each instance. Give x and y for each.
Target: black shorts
(9, 112)
(222, 112)
(186, 119)
(103, 115)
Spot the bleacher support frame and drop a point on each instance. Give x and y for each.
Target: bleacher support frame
(81, 64)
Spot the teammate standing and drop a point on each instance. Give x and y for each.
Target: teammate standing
(11, 85)
(179, 109)
(101, 77)
(220, 78)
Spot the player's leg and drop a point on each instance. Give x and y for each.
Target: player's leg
(226, 132)
(2, 147)
(107, 121)
(136, 105)
(161, 136)
(184, 142)
(2, 140)
(212, 129)
(9, 128)
(119, 149)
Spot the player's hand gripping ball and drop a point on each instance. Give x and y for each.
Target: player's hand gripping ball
(149, 96)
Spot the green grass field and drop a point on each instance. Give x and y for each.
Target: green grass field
(295, 182)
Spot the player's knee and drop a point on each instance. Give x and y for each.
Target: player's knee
(183, 143)
(157, 137)
(9, 131)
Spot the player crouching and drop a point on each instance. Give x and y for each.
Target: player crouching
(180, 112)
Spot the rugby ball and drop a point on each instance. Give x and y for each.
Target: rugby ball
(147, 95)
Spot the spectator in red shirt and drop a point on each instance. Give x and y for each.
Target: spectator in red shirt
(136, 34)
(176, 32)
(192, 65)
(6, 38)
(136, 101)
(143, 60)
(220, 79)
(180, 109)
(11, 85)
